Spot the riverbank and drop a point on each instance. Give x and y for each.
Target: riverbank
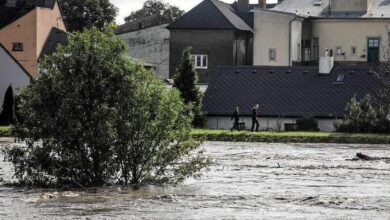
(275, 137)
(289, 137)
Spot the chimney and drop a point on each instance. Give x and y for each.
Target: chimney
(263, 4)
(243, 5)
(326, 63)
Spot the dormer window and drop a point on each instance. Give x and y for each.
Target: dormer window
(16, 46)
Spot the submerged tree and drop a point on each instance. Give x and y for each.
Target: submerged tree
(186, 81)
(102, 119)
(7, 115)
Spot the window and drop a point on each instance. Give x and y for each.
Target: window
(353, 51)
(272, 54)
(316, 48)
(339, 51)
(373, 43)
(340, 78)
(17, 46)
(199, 61)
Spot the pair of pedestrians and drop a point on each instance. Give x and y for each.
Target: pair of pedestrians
(236, 117)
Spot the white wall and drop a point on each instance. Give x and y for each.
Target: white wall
(150, 45)
(272, 31)
(10, 74)
(350, 33)
(265, 123)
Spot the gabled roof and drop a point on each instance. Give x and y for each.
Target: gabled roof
(16, 62)
(55, 37)
(305, 8)
(286, 91)
(211, 14)
(9, 14)
(320, 9)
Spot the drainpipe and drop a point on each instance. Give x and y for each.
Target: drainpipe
(289, 39)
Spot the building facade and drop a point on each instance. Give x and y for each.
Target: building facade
(354, 32)
(24, 28)
(11, 73)
(148, 41)
(218, 33)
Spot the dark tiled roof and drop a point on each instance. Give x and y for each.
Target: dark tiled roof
(55, 37)
(22, 7)
(147, 22)
(211, 14)
(286, 91)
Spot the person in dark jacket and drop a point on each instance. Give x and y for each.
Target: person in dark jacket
(255, 121)
(236, 117)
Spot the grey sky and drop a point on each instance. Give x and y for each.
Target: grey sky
(127, 6)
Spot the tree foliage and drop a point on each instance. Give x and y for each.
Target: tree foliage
(186, 82)
(307, 123)
(87, 13)
(156, 7)
(102, 119)
(7, 115)
(365, 115)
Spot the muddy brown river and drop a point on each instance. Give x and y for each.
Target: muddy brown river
(245, 181)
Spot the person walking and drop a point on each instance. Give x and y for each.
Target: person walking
(255, 121)
(236, 117)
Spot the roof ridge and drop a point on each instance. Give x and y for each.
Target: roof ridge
(213, 3)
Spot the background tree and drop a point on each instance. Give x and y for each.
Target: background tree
(155, 7)
(102, 119)
(87, 13)
(185, 81)
(7, 115)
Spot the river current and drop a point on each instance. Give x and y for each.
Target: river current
(245, 181)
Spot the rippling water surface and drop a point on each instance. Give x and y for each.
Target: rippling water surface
(245, 181)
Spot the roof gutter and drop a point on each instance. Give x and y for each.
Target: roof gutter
(289, 39)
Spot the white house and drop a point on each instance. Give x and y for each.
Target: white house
(11, 73)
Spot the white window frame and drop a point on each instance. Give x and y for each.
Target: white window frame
(270, 57)
(339, 51)
(17, 46)
(203, 58)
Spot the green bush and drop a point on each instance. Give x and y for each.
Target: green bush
(307, 123)
(364, 116)
(7, 115)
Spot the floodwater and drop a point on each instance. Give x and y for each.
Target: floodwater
(245, 181)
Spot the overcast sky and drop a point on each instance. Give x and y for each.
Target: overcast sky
(127, 6)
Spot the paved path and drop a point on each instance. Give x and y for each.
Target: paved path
(6, 140)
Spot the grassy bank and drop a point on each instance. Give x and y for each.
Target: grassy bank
(290, 137)
(5, 131)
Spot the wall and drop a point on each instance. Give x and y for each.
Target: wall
(31, 30)
(150, 45)
(47, 18)
(23, 31)
(350, 33)
(265, 123)
(272, 31)
(348, 5)
(217, 44)
(10, 74)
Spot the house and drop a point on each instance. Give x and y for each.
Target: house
(148, 41)
(25, 26)
(11, 73)
(298, 32)
(284, 94)
(219, 34)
